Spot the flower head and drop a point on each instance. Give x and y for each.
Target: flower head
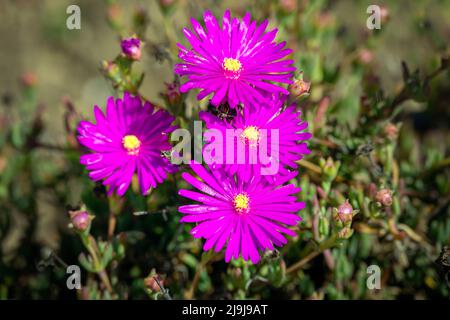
(80, 220)
(29, 79)
(235, 62)
(390, 131)
(271, 137)
(299, 89)
(247, 216)
(128, 139)
(384, 197)
(131, 48)
(344, 213)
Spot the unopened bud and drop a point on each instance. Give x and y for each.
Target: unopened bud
(384, 196)
(299, 89)
(114, 15)
(344, 213)
(390, 130)
(112, 71)
(324, 20)
(384, 13)
(330, 168)
(131, 48)
(172, 93)
(151, 282)
(80, 220)
(28, 79)
(237, 272)
(365, 56)
(288, 5)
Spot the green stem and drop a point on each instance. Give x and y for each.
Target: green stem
(90, 245)
(329, 243)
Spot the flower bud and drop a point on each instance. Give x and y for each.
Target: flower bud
(114, 15)
(330, 168)
(344, 213)
(172, 93)
(28, 79)
(131, 48)
(390, 131)
(384, 196)
(80, 220)
(299, 89)
(324, 20)
(237, 272)
(151, 283)
(365, 56)
(384, 14)
(288, 5)
(111, 69)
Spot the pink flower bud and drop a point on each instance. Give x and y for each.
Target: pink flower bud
(365, 56)
(390, 130)
(299, 88)
(384, 196)
(28, 79)
(172, 93)
(131, 47)
(151, 283)
(384, 13)
(80, 220)
(288, 5)
(344, 212)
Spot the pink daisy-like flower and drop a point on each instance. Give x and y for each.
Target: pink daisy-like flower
(129, 138)
(236, 62)
(250, 216)
(273, 140)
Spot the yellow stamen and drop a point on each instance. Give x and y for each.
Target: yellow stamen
(131, 143)
(231, 64)
(241, 203)
(251, 133)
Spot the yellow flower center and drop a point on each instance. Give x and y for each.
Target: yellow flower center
(232, 68)
(251, 133)
(132, 144)
(230, 64)
(241, 203)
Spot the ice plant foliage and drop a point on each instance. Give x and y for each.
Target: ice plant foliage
(129, 138)
(272, 139)
(236, 62)
(245, 216)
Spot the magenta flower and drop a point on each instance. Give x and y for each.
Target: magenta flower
(131, 47)
(235, 62)
(248, 216)
(273, 140)
(129, 138)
